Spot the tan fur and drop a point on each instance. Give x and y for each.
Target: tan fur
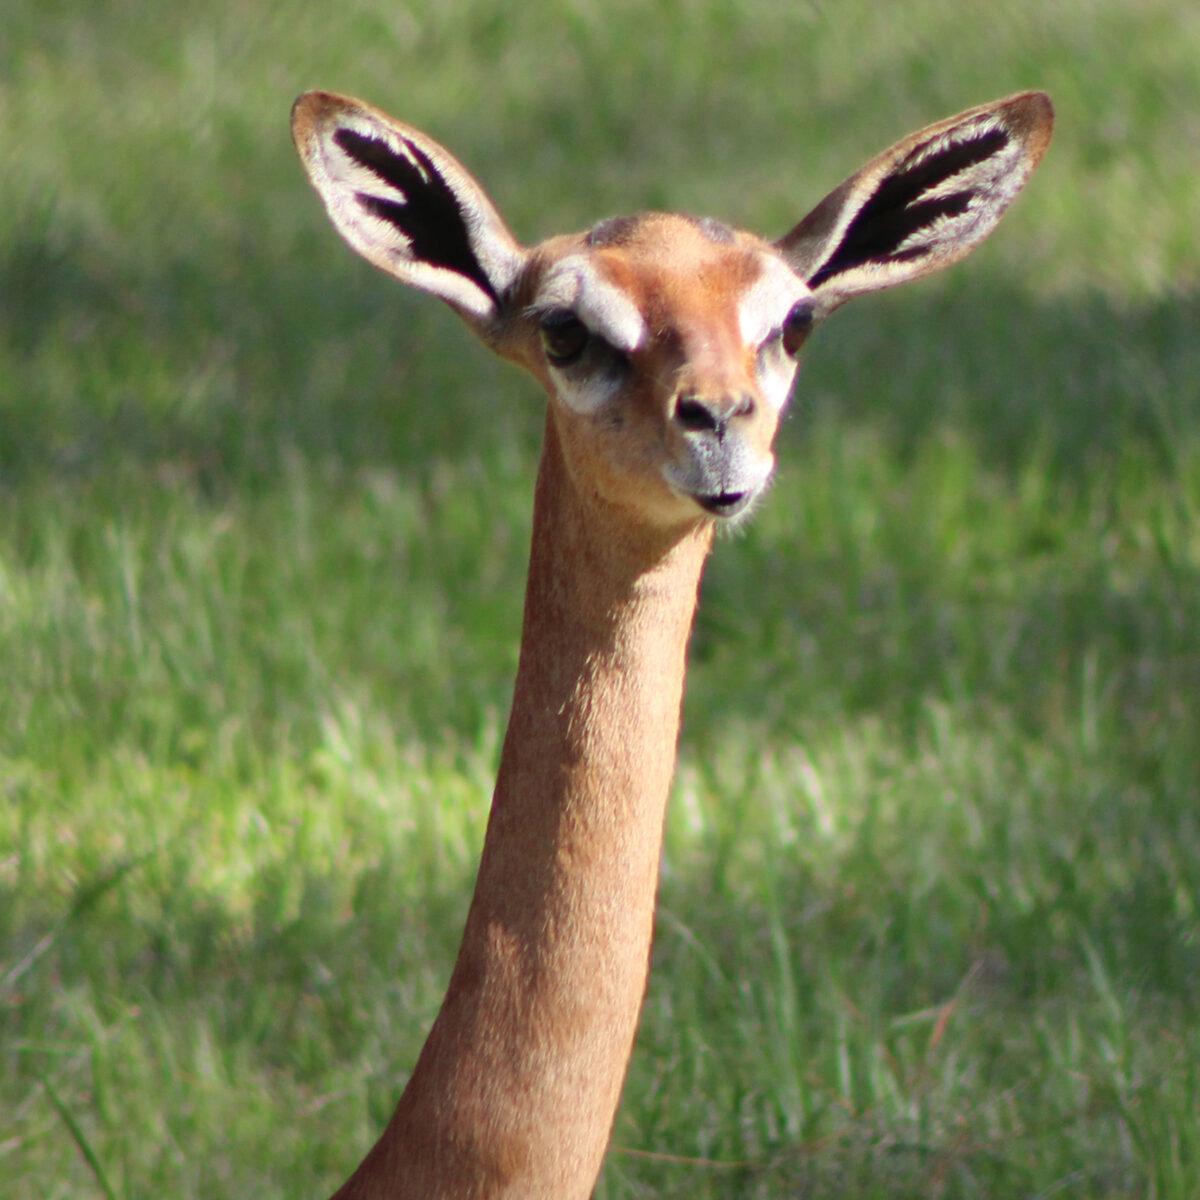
(687, 289)
(516, 1088)
(515, 1091)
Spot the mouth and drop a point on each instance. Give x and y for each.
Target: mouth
(725, 504)
(725, 486)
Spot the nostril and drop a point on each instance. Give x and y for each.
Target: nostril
(695, 416)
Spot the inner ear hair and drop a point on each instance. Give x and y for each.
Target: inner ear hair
(406, 204)
(424, 210)
(921, 204)
(934, 183)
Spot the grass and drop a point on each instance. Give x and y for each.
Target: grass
(929, 906)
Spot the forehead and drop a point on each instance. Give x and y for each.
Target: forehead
(666, 262)
(636, 278)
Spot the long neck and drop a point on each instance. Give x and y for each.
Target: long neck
(516, 1088)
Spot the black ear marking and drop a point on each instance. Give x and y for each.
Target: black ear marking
(895, 211)
(430, 216)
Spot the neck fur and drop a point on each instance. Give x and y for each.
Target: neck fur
(516, 1088)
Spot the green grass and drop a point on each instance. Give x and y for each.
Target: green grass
(929, 916)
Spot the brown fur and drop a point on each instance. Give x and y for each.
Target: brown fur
(515, 1091)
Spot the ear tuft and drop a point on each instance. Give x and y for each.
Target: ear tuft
(923, 203)
(406, 204)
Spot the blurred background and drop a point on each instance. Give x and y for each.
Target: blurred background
(929, 905)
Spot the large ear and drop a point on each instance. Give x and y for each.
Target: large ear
(406, 204)
(923, 203)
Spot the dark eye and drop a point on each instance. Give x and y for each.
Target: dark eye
(796, 327)
(564, 336)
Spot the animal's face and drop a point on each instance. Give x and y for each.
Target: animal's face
(667, 345)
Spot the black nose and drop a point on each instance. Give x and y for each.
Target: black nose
(702, 414)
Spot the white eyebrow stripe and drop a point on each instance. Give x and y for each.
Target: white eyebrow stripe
(603, 307)
(767, 300)
(589, 395)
